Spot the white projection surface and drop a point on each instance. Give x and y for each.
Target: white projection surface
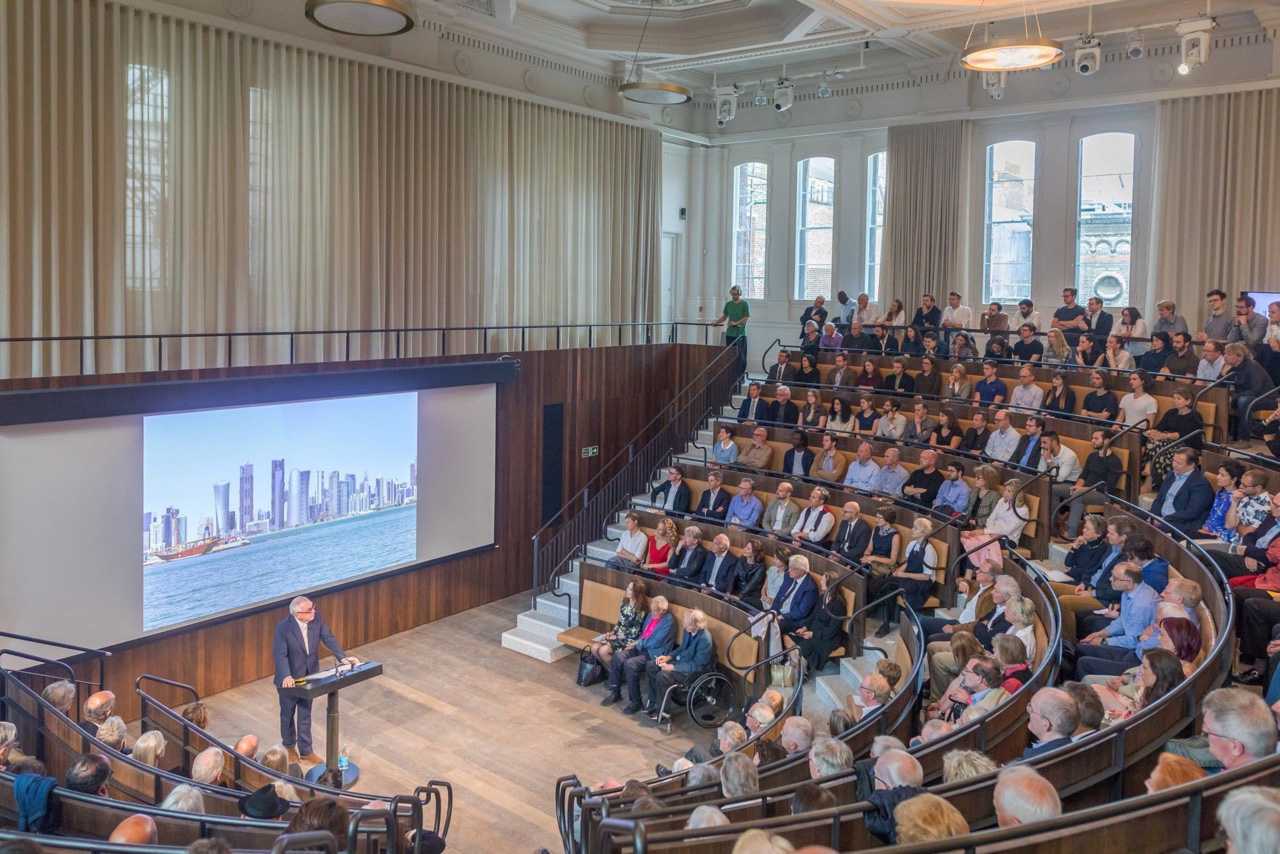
(121, 527)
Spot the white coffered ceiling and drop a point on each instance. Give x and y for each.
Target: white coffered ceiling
(742, 41)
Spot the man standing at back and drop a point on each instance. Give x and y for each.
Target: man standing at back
(296, 650)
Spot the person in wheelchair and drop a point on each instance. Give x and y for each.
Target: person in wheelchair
(692, 658)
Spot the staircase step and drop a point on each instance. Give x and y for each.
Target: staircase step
(601, 550)
(832, 690)
(1058, 552)
(853, 670)
(534, 644)
(542, 623)
(558, 607)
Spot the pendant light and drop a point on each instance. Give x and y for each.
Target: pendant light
(1012, 53)
(653, 92)
(363, 17)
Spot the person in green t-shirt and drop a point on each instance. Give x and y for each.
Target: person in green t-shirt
(735, 316)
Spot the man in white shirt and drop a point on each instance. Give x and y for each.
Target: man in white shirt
(1056, 454)
(1003, 439)
(1026, 394)
(955, 315)
(632, 546)
(866, 312)
(815, 521)
(1026, 314)
(1211, 362)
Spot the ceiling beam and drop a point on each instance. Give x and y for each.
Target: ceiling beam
(798, 25)
(505, 11)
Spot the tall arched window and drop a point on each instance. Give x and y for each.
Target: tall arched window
(877, 169)
(1008, 221)
(750, 227)
(815, 218)
(1104, 221)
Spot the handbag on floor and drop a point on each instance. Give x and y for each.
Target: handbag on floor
(590, 670)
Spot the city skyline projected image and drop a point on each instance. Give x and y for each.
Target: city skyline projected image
(253, 503)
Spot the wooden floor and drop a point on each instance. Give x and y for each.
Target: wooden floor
(501, 727)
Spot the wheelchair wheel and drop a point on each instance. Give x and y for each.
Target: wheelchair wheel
(712, 700)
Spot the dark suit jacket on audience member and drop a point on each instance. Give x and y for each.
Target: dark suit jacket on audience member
(851, 539)
(764, 411)
(750, 583)
(692, 572)
(779, 374)
(728, 575)
(904, 384)
(1191, 505)
(684, 497)
(879, 819)
(1044, 747)
(717, 511)
(1021, 449)
(801, 605)
(787, 413)
(789, 458)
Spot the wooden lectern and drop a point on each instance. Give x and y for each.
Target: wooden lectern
(327, 683)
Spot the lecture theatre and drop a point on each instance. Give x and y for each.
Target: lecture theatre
(629, 426)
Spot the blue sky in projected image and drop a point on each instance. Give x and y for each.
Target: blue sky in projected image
(186, 453)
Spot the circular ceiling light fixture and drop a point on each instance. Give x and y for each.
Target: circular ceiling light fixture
(1011, 53)
(654, 93)
(363, 17)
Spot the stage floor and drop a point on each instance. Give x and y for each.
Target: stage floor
(501, 727)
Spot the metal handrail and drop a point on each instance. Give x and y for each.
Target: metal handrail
(1144, 423)
(1248, 413)
(172, 683)
(1200, 392)
(777, 342)
(99, 654)
(310, 840)
(951, 570)
(71, 674)
(360, 815)
(1166, 450)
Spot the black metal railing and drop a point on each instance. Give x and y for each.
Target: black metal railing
(582, 518)
(335, 345)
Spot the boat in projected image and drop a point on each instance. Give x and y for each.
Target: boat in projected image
(206, 546)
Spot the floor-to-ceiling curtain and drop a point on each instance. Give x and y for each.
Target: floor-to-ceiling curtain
(159, 175)
(925, 214)
(1217, 209)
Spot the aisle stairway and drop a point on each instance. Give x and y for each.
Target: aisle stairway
(536, 630)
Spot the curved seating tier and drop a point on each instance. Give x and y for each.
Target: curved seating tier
(94, 817)
(58, 741)
(1106, 767)
(1213, 406)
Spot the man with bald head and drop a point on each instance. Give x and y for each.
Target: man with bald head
(247, 745)
(853, 534)
(97, 709)
(296, 650)
(898, 777)
(1022, 796)
(760, 454)
(137, 829)
(1052, 717)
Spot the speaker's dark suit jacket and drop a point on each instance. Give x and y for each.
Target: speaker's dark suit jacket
(294, 659)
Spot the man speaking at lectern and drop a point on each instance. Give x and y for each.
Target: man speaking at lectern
(296, 650)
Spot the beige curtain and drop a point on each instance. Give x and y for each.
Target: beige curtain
(1217, 209)
(164, 176)
(925, 192)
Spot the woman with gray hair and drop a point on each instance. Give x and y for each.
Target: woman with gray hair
(738, 776)
(1250, 816)
(706, 816)
(184, 798)
(960, 765)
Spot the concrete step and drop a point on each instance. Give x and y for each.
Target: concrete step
(853, 670)
(601, 550)
(832, 690)
(705, 438)
(1058, 552)
(557, 607)
(534, 643)
(543, 623)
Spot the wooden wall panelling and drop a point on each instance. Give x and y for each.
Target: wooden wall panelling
(223, 653)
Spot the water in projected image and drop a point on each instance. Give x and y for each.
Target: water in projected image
(254, 503)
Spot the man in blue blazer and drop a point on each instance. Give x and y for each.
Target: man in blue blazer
(1185, 497)
(657, 637)
(720, 567)
(673, 496)
(799, 459)
(754, 407)
(797, 596)
(714, 502)
(691, 659)
(296, 650)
